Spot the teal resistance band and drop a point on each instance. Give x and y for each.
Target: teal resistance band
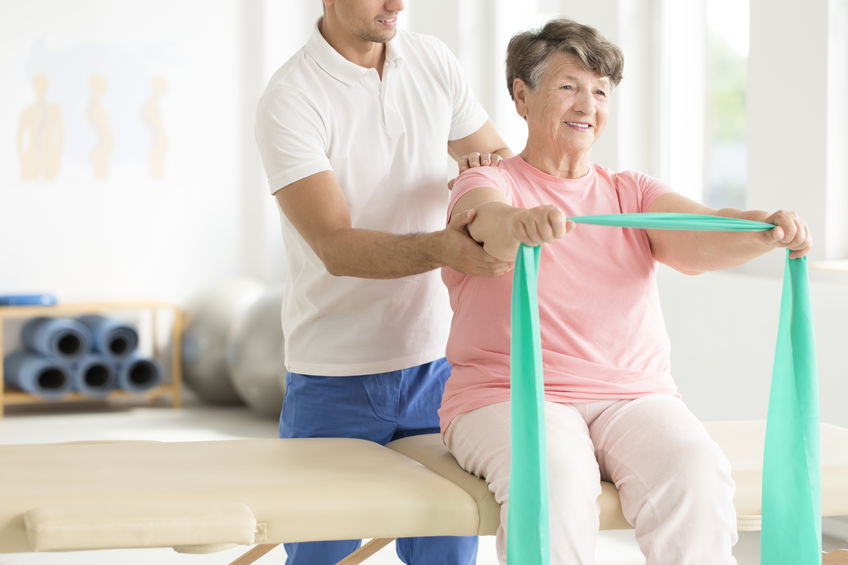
(527, 521)
(694, 222)
(791, 524)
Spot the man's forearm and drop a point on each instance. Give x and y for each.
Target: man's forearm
(379, 255)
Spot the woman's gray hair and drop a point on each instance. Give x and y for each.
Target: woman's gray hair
(528, 52)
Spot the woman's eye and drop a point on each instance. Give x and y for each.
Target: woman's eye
(566, 87)
(600, 93)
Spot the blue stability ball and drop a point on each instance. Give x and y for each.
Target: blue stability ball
(41, 376)
(210, 314)
(255, 355)
(64, 338)
(111, 337)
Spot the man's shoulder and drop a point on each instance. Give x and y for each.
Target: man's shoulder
(418, 38)
(296, 83)
(417, 44)
(296, 69)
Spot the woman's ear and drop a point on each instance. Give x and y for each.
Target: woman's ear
(519, 95)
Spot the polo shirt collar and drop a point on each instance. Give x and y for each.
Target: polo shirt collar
(340, 68)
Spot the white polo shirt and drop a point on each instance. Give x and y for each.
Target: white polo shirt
(386, 142)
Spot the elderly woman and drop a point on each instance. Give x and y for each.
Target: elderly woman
(612, 407)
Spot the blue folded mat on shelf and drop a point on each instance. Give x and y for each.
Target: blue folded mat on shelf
(27, 300)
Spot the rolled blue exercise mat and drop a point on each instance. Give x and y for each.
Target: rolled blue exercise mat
(94, 375)
(64, 338)
(111, 337)
(46, 377)
(27, 300)
(138, 373)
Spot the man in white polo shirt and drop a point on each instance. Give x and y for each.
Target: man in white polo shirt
(353, 130)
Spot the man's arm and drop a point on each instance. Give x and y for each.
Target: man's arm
(693, 252)
(317, 208)
(485, 140)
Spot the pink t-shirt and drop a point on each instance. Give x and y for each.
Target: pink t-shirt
(603, 334)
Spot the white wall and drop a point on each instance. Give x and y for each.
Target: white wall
(800, 164)
(723, 329)
(135, 237)
(131, 235)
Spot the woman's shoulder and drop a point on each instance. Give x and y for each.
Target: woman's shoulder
(627, 179)
(635, 190)
(477, 177)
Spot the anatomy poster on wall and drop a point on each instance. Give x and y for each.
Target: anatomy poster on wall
(106, 91)
(94, 107)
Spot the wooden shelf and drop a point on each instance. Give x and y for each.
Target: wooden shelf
(11, 396)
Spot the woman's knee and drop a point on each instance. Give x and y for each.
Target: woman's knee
(698, 469)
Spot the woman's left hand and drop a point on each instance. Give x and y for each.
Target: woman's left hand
(790, 231)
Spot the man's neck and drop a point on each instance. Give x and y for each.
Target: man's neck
(368, 54)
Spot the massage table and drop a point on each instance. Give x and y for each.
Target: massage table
(209, 495)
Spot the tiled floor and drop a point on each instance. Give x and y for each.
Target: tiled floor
(61, 423)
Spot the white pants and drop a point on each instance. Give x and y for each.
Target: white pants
(673, 480)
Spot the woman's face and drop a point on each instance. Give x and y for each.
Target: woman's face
(570, 107)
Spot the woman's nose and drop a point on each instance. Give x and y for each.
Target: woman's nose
(584, 102)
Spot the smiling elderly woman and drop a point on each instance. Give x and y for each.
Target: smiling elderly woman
(612, 407)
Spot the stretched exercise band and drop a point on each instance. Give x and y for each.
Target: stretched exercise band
(791, 495)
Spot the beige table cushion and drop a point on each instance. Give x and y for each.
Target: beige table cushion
(150, 494)
(741, 441)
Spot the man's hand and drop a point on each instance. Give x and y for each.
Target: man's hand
(475, 159)
(790, 231)
(462, 253)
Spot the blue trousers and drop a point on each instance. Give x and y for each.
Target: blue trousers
(380, 407)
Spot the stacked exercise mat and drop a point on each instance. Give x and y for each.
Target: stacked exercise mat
(91, 355)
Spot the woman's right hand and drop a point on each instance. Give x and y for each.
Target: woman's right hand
(543, 224)
(509, 226)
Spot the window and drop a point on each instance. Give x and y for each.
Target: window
(725, 144)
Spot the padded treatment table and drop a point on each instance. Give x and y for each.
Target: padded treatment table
(205, 496)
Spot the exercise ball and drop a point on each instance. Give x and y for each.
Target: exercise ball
(255, 355)
(209, 314)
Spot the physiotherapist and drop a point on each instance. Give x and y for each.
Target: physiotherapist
(353, 131)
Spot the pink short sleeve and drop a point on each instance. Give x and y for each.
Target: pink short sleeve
(650, 189)
(478, 177)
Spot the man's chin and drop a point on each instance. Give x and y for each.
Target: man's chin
(383, 37)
